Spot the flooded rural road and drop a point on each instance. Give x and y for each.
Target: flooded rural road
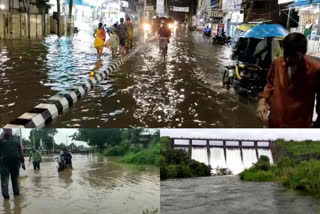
(227, 194)
(96, 185)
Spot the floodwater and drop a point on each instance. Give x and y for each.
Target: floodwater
(95, 185)
(227, 194)
(184, 91)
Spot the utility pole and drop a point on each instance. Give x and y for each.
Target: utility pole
(21, 139)
(70, 18)
(144, 11)
(34, 143)
(58, 17)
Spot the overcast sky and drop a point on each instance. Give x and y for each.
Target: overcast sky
(61, 137)
(257, 134)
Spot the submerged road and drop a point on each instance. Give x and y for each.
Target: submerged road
(185, 91)
(95, 185)
(227, 194)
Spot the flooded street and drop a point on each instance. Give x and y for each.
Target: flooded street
(95, 185)
(186, 91)
(227, 194)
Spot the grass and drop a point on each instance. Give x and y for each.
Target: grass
(303, 176)
(136, 157)
(150, 156)
(300, 147)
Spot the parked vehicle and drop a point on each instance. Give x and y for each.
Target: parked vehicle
(221, 40)
(248, 75)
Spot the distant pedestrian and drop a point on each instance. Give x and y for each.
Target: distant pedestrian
(113, 42)
(130, 30)
(293, 83)
(100, 38)
(35, 156)
(11, 158)
(122, 33)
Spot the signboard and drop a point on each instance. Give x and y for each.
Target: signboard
(213, 3)
(149, 7)
(180, 9)
(160, 7)
(220, 29)
(237, 17)
(124, 4)
(285, 1)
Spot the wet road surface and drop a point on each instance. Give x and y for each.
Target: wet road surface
(95, 185)
(227, 194)
(146, 92)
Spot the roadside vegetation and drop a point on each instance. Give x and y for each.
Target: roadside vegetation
(295, 173)
(178, 164)
(136, 147)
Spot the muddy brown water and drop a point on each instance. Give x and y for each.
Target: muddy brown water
(96, 185)
(228, 194)
(185, 91)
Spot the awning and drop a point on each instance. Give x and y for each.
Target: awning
(79, 2)
(301, 3)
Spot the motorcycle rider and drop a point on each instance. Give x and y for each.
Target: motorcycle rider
(68, 159)
(164, 34)
(207, 31)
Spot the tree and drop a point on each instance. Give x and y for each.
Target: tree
(47, 136)
(99, 137)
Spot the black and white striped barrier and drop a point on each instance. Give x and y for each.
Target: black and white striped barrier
(45, 112)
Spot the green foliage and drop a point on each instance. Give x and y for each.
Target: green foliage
(99, 137)
(303, 176)
(263, 163)
(256, 175)
(149, 156)
(151, 211)
(47, 136)
(178, 164)
(300, 147)
(118, 150)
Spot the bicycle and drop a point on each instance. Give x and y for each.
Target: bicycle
(164, 47)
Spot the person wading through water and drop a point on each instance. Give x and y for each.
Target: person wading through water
(11, 158)
(35, 156)
(100, 38)
(293, 84)
(122, 33)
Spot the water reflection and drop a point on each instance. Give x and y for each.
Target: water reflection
(227, 194)
(95, 185)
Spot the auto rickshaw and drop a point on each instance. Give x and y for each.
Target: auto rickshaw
(248, 74)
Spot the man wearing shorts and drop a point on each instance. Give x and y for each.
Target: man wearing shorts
(122, 33)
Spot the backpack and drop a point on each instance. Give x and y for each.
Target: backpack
(10, 150)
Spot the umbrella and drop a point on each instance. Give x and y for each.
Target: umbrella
(266, 30)
(245, 27)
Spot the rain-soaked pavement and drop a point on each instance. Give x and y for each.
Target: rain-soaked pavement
(146, 92)
(95, 185)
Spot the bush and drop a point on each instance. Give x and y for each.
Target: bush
(149, 156)
(263, 163)
(178, 164)
(253, 175)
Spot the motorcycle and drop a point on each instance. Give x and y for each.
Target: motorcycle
(206, 34)
(221, 40)
(246, 79)
(62, 165)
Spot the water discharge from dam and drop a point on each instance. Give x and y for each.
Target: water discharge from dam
(233, 160)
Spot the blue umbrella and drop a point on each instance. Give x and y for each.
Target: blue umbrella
(266, 30)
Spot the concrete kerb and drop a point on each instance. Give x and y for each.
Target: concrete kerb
(42, 114)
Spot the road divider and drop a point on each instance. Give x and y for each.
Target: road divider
(42, 114)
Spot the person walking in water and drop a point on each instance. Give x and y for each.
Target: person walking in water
(11, 158)
(35, 156)
(129, 40)
(114, 42)
(100, 38)
(122, 33)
